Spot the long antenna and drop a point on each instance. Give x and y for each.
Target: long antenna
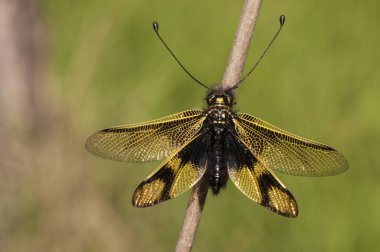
(282, 21)
(155, 27)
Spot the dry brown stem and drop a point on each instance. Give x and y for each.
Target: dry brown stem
(231, 76)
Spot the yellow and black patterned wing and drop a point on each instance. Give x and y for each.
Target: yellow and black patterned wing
(285, 152)
(176, 175)
(256, 181)
(147, 141)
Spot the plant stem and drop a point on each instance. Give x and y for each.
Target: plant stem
(231, 76)
(241, 43)
(192, 217)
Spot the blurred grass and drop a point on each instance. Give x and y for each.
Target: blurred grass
(106, 68)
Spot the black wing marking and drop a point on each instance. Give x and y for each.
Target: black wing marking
(176, 175)
(256, 181)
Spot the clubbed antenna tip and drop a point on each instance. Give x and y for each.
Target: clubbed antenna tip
(155, 26)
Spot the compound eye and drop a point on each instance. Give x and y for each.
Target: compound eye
(210, 99)
(228, 100)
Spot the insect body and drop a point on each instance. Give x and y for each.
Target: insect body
(218, 124)
(219, 144)
(216, 143)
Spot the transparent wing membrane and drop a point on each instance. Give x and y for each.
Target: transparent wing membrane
(147, 141)
(285, 152)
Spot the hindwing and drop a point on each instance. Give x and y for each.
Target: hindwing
(286, 152)
(256, 181)
(176, 175)
(147, 141)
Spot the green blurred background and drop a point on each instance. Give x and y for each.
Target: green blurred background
(102, 66)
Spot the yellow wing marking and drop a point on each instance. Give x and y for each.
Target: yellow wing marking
(246, 181)
(262, 186)
(176, 175)
(148, 193)
(282, 202)
(185, 177)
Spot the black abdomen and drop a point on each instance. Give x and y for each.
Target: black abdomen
(216, 168)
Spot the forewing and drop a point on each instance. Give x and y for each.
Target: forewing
(147, 141)
(176, 175)
(285, 152)
(256, 181)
